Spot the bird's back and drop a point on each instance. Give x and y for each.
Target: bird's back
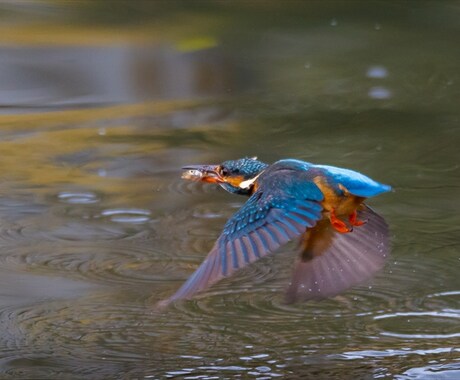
(356, 183)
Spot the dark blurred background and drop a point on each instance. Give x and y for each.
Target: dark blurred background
(88, 53)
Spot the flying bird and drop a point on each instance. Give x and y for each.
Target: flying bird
(342, 241)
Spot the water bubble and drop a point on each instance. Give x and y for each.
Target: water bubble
(334, 22)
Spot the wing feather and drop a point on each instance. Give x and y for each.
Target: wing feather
(333, 262)
(261, 226)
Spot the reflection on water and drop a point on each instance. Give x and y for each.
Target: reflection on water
(96, 225)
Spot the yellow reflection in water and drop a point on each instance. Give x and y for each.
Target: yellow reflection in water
(34, 120)
(32, 153)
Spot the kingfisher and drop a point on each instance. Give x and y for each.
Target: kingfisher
(342, 241)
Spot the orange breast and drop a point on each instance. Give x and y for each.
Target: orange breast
(343, 203)
(234, 180)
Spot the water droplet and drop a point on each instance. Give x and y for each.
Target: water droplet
(379, 92)
(377, 72)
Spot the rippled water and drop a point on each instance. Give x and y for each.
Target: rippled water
(96, 225)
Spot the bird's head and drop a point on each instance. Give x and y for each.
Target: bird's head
(235, 176)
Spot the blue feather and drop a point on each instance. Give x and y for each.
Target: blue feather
(262, 239)
(234, 255)
(356, 183)
(281, 231)
(254, 248)
(272, 235)
(244, 250)
(289, 225)
(223, 256)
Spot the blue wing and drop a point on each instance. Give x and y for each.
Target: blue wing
(268, 220)
(356, 183)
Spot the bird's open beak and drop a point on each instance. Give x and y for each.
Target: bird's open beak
(204, 173)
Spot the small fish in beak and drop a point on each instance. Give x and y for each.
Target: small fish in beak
(192, 174)
(204, 173)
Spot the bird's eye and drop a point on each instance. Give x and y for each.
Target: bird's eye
(224, 172)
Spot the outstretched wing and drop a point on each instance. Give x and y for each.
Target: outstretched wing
(332, 262)
(268, 220)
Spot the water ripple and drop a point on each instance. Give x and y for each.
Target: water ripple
(254, 297)
(352, 355)
(190, 187)
(420, 325)
(445, 294)
(67, 230)
(446, 371)
(127, 215)
(121, 263)
(58, 328)
(11, 233)
(78, 197)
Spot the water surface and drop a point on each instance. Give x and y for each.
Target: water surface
(100, 107)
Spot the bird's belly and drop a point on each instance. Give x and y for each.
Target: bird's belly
(342, 203)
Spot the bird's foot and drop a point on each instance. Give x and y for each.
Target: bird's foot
(353, 218)
(338, 225)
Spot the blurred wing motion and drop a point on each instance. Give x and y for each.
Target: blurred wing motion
(265, 222)
(332, 262)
